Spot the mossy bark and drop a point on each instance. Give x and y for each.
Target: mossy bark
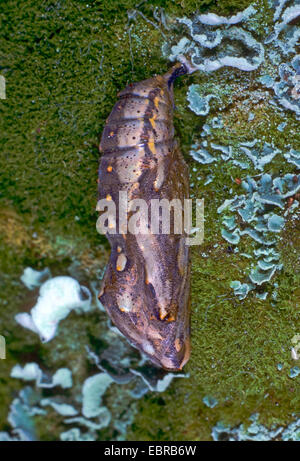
(64, 63)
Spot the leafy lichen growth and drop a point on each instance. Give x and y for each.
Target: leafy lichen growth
(64, 63)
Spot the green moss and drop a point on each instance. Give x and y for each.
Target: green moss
(64, 63)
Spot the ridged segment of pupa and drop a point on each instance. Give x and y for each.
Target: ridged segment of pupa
(146, 285)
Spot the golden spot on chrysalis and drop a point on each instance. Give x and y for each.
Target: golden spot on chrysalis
(111, 134)
(177, 345)
(121, 262)
(162, 313)
(152, 120)
(119, 249)
(109, 169)
(108, 197)
(156, 101)
(151, 146)
(171, 318)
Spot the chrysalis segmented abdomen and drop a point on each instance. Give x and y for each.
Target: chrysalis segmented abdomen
(146, 285)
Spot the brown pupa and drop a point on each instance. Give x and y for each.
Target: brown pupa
(146, 286)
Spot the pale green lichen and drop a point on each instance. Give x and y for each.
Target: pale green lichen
(256, 432)
(32, 372)
(93, 390)
(64, 65)
(57, 298)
